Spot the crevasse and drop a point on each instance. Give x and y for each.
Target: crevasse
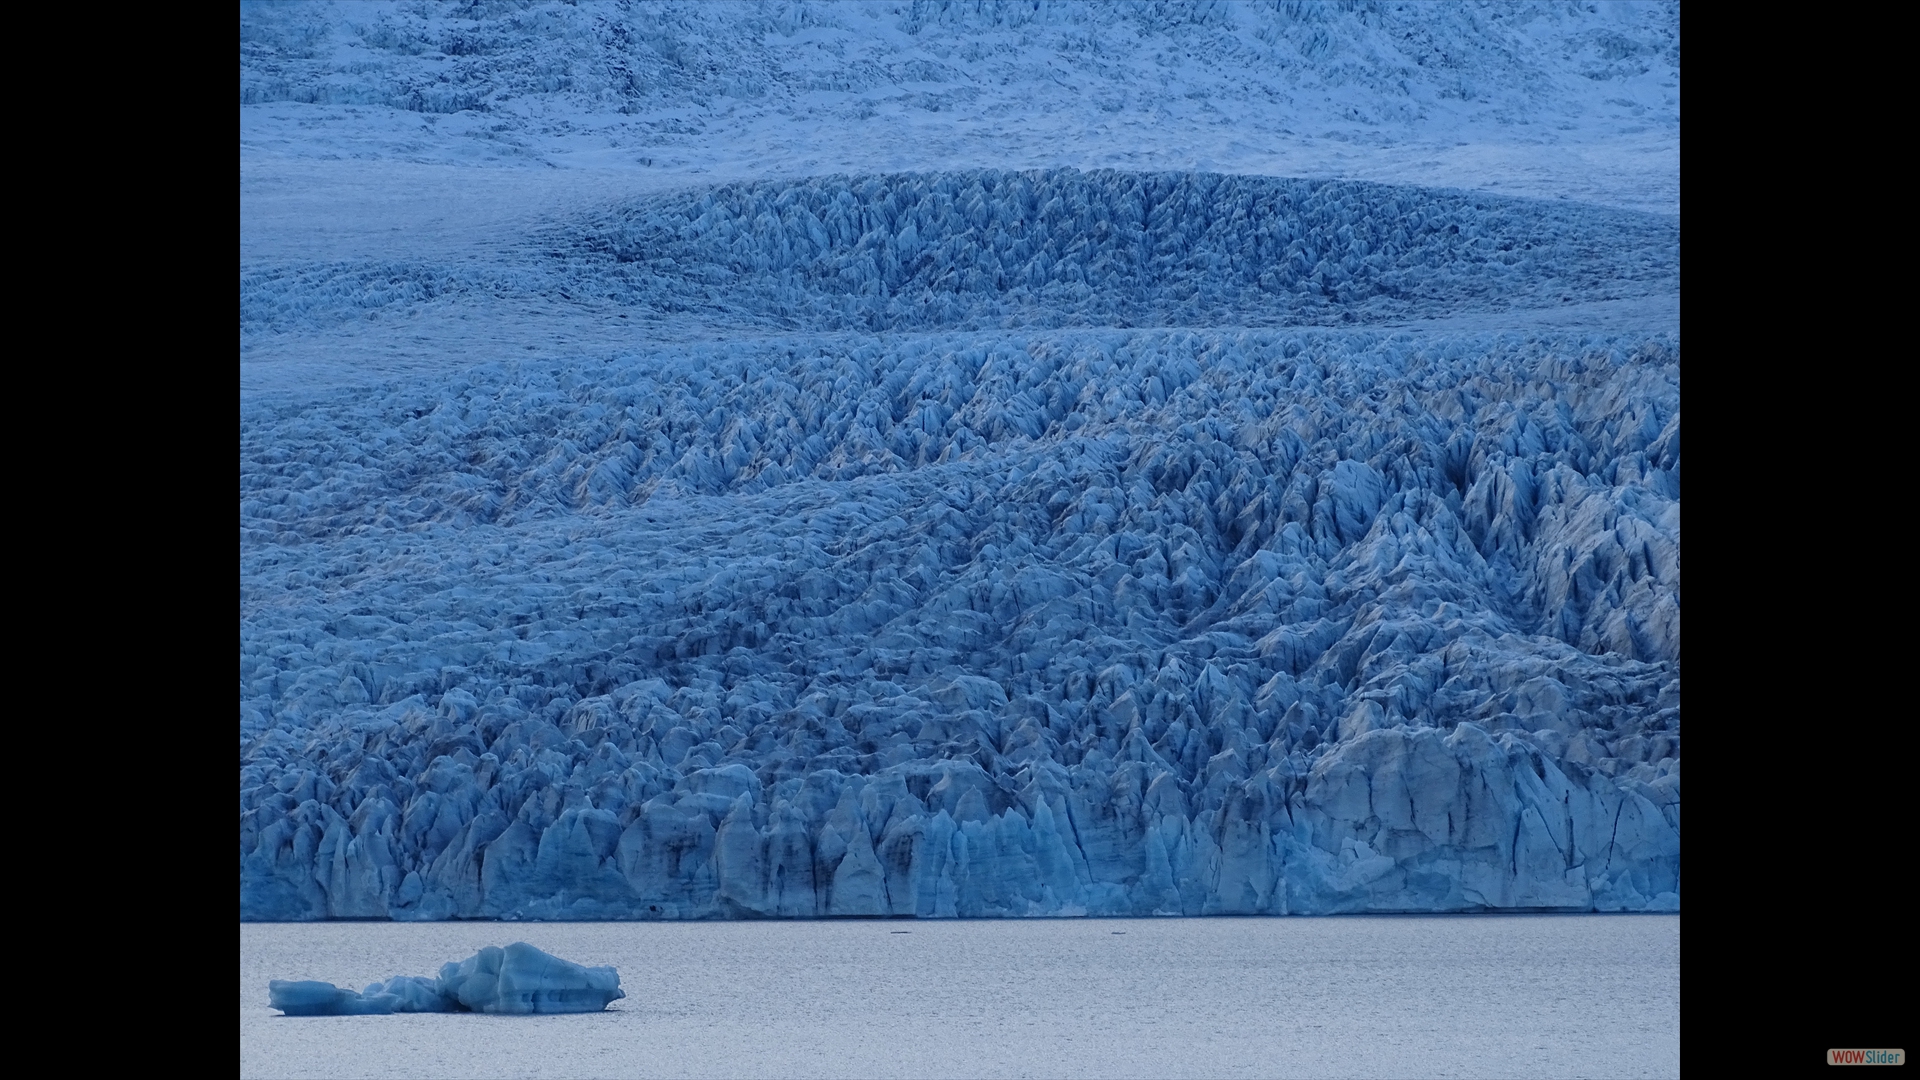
(1044, 544)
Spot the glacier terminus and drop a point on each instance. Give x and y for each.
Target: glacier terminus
(952, 538)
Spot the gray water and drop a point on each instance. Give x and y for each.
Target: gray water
(1438, 996)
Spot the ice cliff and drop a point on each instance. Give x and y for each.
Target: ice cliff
(1034, 544)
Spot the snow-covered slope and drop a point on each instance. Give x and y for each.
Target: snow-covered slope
(1578, 100)
(349, 153)
(935, 536)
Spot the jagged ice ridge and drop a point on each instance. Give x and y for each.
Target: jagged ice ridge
(988, 613)
(1042, 248)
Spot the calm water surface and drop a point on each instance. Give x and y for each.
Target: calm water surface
(1581, 995)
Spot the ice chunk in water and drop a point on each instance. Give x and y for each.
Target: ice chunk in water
(413, 993)
(517, 979)
(311, 998)
(522, 979)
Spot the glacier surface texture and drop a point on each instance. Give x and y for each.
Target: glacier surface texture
(958, 541)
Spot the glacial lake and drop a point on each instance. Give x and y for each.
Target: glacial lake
(1382, 996)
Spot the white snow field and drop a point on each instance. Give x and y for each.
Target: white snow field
(1577, 100)
(974, 459)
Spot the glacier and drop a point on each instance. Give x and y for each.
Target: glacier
(516, 980)
(957, 541)
(1041, 248)
(1541, 98)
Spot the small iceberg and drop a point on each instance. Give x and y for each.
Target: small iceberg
(309, 998)
(516, 980)
(521, 979)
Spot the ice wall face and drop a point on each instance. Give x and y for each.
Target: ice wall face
(991, 620)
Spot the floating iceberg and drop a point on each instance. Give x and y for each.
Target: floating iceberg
(412, 993)
(516, 980)
(311, 998)
(521, 979)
